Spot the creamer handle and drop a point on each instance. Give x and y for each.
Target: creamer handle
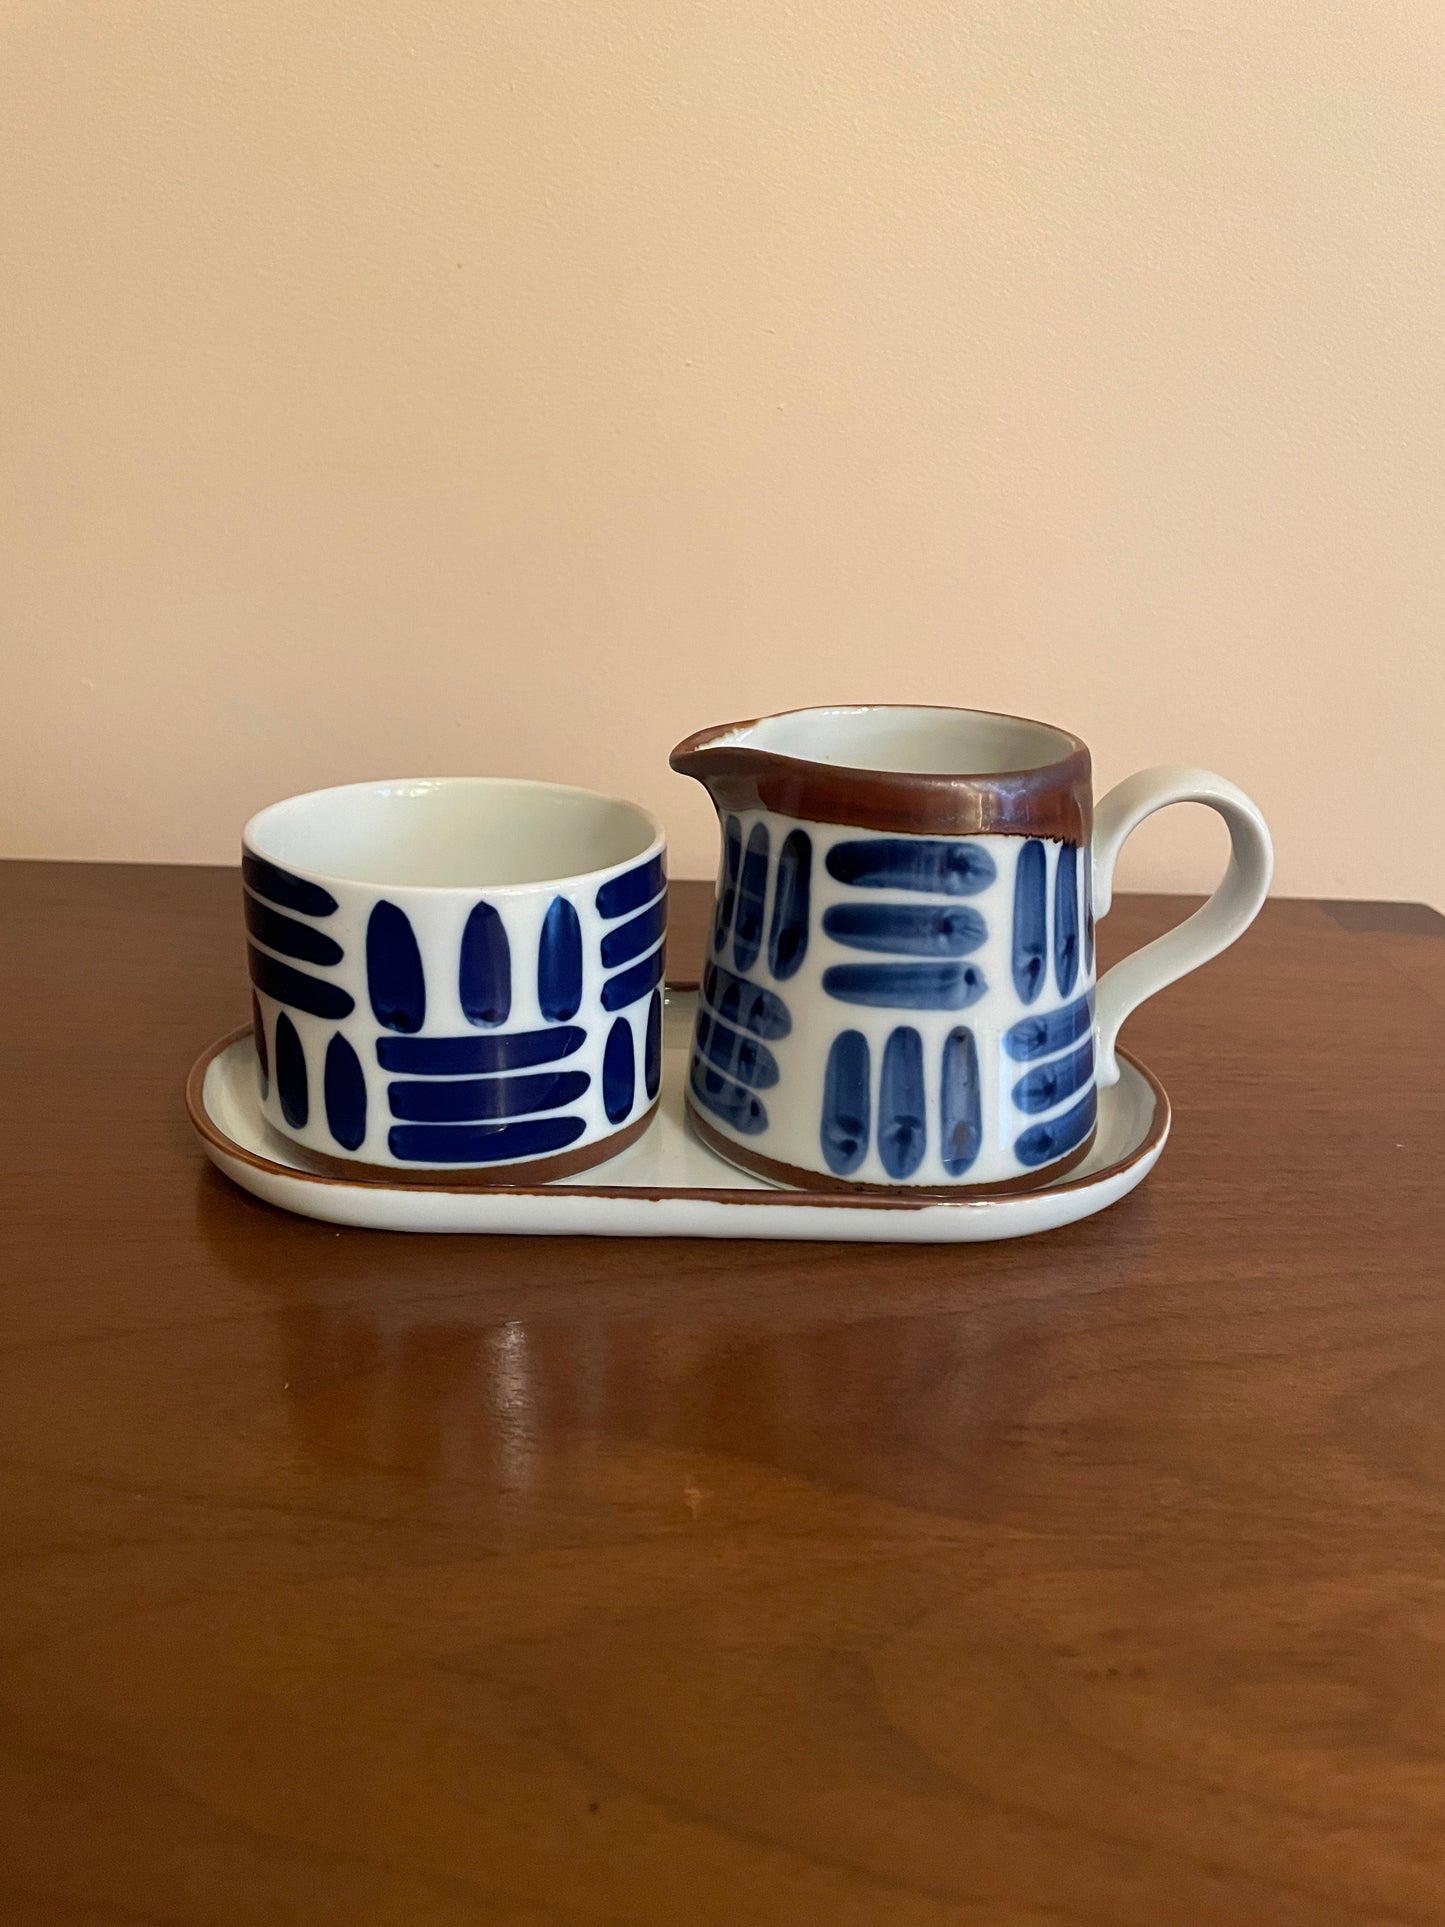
(1212, 928)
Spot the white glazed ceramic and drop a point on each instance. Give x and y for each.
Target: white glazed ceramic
(900, 990)
(667, 1184)
(457, 973)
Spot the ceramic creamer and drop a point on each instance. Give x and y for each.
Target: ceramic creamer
(900, 989)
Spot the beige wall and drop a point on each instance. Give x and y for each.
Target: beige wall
(482, 386)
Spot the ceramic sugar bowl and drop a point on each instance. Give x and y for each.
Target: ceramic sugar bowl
(458, 975)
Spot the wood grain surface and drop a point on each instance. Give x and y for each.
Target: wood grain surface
(1094, 1580)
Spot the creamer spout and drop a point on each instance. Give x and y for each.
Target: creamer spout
(713, 756)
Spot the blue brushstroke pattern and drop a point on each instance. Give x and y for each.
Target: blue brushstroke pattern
(484, 972)
(907, 929)
(1088, 909)
(792, 895)
(279, 886)
(343, 1085)
(960, 1103)
(906, 986)
(559, 962)
(752, 892)
(394, 977)
(652, 1048)
(291, 938)
(471, 1099)
(632, 889)
(629, 940)
(463, 1056)
(847, 1113)
(482, 1143)
(619, 1071)
(294, 987)
(1066, 919)
(941, 866)
(739, 1108)
(1054, 1030)
(1043, 1142)
(1031, 915)
(902, 1110)
(747, 1005)
(263, 1056)
(728, 887)
(1049, 1084)
(742, 1057)
(628, 985)
(292, 1084)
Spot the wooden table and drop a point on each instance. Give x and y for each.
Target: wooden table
(1099, 1578)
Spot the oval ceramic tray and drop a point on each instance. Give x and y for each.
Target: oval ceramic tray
(668, 1184)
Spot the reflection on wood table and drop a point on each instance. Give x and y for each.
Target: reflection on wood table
(1093, 1579)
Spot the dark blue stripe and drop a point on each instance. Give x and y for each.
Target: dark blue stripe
(625, 988)
(484, 973)
(909, 929)
(632, 889)
(792, 896)
(906, 986)
(652, 1050)
(960, 1110)
(263, 1056)
(619, 1071)
(1031, 916)
(1088, 910)
(343, 1085)
(294, 987)
(279, 886)
(460, 1056)
(394, 979)
(482, 1143)
(902, 1112)
(559, 962)
(1049, 1084)
(628, 940)
(291, 938)
(462, 1099)
(847, 1112)
(1066, 919)
(940, 866)
(745, 1113)
(292, 1086)
(1041, 1143)
(743, 1058)
(727, 895)
(745, 1004)
(752, 893)
(1040, 1036)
